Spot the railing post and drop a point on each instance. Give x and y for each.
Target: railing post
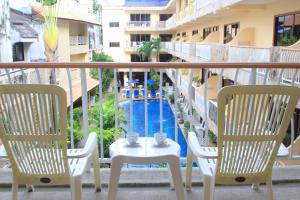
(116, 102)
(190, 97)
(146, 102)
(206, 108)
(252, 78)
(131, 103)
(160, 102)
(85, 116)
(175, 103)
(101, 112)
(71, 107)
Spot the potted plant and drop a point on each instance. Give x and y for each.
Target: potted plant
(288, 40)
(171, 98)
(212, 138)
(197, 80)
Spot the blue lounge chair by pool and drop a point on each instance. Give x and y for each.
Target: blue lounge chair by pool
(153, 93)
(136, 94)
(127, 93)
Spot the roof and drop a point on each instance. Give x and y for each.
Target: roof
(145, 3)
(76, 88)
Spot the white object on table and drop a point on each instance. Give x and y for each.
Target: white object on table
(146, 151)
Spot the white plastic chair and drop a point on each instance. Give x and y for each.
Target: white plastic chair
(252, 122)
(33, 128)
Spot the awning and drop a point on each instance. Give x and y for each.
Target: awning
(91, 84)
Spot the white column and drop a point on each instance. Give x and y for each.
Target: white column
(252, 78)
(71, 107)
(190, 97)
(206, 108)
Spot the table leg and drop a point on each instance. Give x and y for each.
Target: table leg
(177, 179)
(170, 177)
(116, 166)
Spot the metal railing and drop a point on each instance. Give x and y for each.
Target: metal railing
(146, 24)
(196, 99)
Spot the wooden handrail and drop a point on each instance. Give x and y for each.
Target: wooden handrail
(153, 65)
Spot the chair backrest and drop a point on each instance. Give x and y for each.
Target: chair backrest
(33, 128)
(252, 122)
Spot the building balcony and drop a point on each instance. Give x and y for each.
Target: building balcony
(152, 181)
(78, 45)
(145, 26)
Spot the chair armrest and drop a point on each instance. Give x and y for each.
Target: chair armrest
(88, 149)
(282, 151)
(198, 151)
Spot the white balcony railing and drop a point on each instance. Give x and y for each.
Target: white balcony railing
(249, 54)
(184, 84)
(133, 45)
(145, 25)
(78, 40)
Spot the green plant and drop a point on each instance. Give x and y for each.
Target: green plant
(145, 51)
(171, 97)
(154, 76)
(212, 137)
(95, 6)
(156, 46)
(288, 40)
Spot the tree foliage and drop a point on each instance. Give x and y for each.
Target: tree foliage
(107, 74)
(145, 51)
(154, 76)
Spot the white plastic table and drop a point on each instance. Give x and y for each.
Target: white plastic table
(145, 152)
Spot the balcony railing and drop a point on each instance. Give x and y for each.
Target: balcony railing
(145, 25)
(197, 97)
(78, 40)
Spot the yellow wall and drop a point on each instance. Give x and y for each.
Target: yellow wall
(64, 41)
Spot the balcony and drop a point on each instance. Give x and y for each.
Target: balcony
(153, 182)
(78, 45)
(132, 46)
(145, 26)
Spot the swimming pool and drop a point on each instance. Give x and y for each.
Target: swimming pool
(153, 120)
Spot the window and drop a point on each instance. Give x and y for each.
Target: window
(165, 37)
(178, 34)
(194, 32)
(135, 58)
(114, 44)
(183, 34)
(215, 28)
(287, 29)
(206, 32)
(230, 30)
(139, 37)
(140, 17)
(18, 52)
(164, 17)
(113, 24)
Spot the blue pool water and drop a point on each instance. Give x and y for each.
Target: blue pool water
(153, 120)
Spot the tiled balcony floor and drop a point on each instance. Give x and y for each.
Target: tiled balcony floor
(152, 184)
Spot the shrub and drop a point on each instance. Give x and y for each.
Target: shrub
(171, 97)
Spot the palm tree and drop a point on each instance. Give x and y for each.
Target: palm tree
(145, 51)
(156, 46)
(50, 12)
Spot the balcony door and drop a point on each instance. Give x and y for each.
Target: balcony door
(137, 39)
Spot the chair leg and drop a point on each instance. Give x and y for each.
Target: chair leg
(189, 165)
(115, 171)
(76, 189)
(208, 187)
(269, 188)
(15, 187)
(176, 175)
(96, 167)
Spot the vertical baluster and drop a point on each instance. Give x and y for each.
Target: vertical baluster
(131, 103)
(85, 122)
(292, 120)
(146, 102)
(220, 81)
(24, 76)
(190, 98)
(175, 103)
(71, 107)
(206, 108)
(252, 77)
(101, 112)
(38, 75)
(116, 102)
(280, 77)
(266, 76)
(160, 102)
(236, 76)
(8, 75)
